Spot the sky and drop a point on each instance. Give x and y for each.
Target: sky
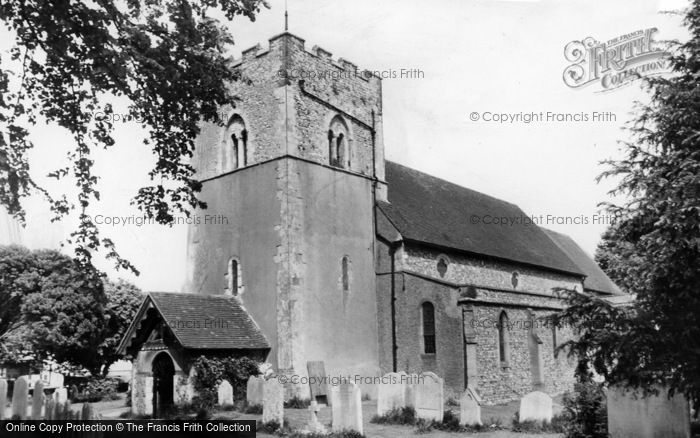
(480, 57)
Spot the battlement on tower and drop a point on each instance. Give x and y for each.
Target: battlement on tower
(340, 66)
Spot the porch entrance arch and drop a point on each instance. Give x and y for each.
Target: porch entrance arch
(163, 373)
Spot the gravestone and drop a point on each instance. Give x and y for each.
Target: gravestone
(536, 406)
(318, 382)
(61, 395)
(391, 392)
(254, 390)
(225, 393)
(411, 381)
(469, 409)
(273, 401)
(37, 400)
(429, 397)
(631, 415)
(314, 426)
(3, 398)
(20, 393)
(346, 407)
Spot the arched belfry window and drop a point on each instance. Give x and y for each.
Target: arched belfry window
(503, 340)
(338, 145)
(236, 149)
(428, 317)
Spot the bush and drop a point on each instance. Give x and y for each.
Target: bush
(271, 427)
(557, 425)
(209, 372)
(404, 416)
(96, 389)
(253, 409)
(297, 403)
(585, 412)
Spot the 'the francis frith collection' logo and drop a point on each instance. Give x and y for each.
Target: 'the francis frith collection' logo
(616, 62)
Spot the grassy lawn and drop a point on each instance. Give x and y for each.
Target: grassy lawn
(297, 419)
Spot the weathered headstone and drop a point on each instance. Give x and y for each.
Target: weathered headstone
(37, 400)
(225, 393)
(412, 381)
(3, 398)
(346, 407)
(318, 382)
(254, 390)
(61, 395)
(391, 392)
(314, 426)
(469, 409)
(536, 406)
(429, 397)
(273, 401)
(20, 394)
(631, 415)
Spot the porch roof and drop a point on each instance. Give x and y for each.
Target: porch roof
(203, 322)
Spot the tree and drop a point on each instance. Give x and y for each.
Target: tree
(59, 309)
(18, 278)
(654, 247)
(167, 57)
(65, 316)
(123, 301)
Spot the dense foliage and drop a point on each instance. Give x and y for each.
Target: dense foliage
(210, 371)
(54, 307)
(586, 412)
(653, 250)
(123, 301)
(69, 61)
(94, 390)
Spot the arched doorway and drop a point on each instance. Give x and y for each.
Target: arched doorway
(163, 373)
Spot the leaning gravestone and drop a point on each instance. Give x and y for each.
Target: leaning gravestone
(37, 400)
(429, 397)
(254, 391)
(470, 411)
(631, 415)
(536, 406)
(20, 393)
(346, 407)
(225, 393)
(3, 398)
(318, 382)
(273, 402)
(391, 392)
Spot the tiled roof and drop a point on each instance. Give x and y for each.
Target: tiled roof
(202, 321)
(433, 211)
(596, 279)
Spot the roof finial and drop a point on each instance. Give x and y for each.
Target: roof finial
(286, 17)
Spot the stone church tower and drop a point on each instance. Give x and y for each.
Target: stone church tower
(291, 182)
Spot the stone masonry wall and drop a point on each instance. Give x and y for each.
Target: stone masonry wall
(417, 281)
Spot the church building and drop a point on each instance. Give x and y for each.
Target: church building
(332, 253)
